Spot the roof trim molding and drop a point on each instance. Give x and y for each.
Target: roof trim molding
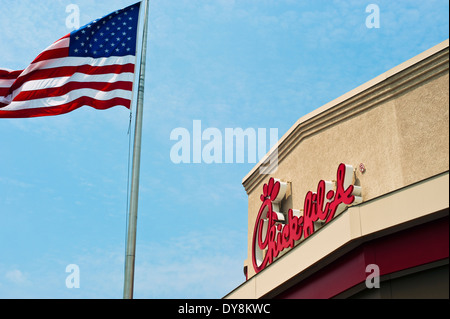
(413, 72)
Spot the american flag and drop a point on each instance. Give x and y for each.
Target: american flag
(91, 66)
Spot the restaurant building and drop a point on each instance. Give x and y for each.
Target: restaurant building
(356, 201)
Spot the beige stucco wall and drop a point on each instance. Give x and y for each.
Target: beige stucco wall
(396, 124)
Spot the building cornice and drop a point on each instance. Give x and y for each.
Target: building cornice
(429, 64)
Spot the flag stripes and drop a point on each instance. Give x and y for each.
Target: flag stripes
(60, 80)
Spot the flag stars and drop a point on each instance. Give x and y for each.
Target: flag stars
(112, 35)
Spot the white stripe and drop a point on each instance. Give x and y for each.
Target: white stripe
(77, 77)
(78, 61)
(72, 61)
(61, 43)
(60, 81)
(6, 83)
(5, 69)
(71, 96)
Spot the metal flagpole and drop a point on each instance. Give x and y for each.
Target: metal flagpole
(134, 192)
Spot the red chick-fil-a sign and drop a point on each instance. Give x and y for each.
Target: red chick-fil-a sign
(274, 231)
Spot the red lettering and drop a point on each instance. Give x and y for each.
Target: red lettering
(308, 226)
(270, 237)
(321, 211)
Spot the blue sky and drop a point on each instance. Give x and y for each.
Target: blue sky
(229, 63)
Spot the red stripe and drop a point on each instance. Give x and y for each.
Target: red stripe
(52, 54)
(4, 91)
(70, 70)
(6, 75)
(66, 108)
(70, 86)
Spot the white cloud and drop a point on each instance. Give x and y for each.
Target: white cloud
(205, 264)
(199, 264)
(16, 276)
